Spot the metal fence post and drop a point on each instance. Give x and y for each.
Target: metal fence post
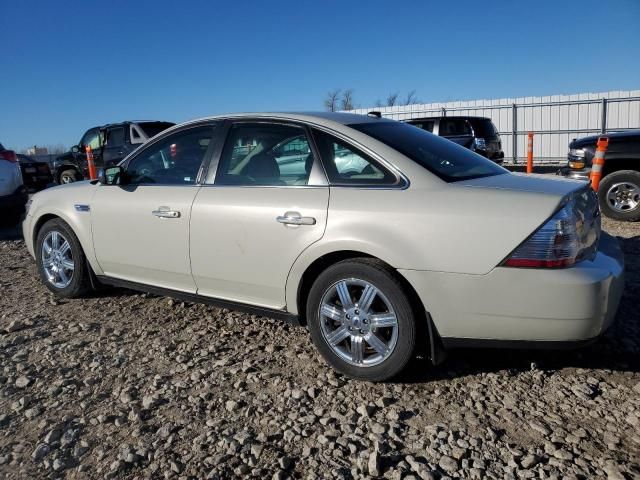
(514, 132)
(603, 117)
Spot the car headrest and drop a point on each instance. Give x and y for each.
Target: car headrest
(263, 166)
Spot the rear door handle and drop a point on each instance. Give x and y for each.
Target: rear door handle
(294, 218)
(164, 212)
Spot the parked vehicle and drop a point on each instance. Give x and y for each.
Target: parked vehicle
(13, 195)
(109, 145)
(35, 175)
(619, 190)
(421, 244)
(478, 134)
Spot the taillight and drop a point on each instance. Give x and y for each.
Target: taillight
(9, 156)
(570, 236)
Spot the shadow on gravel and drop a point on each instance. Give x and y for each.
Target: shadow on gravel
(11, 233)
(617, 350)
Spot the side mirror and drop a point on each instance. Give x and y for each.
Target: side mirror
(112, 176)
(75, 149)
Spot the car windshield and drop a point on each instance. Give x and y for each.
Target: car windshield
(446, 159)
(151, 129)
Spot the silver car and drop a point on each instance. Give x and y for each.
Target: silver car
(383, 239)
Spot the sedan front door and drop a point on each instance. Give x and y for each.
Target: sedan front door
(141, 228)
(268, 204)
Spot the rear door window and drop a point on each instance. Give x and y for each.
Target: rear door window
(115, 137)
(265, 154)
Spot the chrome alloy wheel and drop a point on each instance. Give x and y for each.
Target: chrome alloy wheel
(358, 322)
(623, 196)
(57, 259)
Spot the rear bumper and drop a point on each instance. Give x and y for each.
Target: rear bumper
(15, 202)
(526, 305)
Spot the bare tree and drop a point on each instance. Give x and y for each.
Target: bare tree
(392, 99)
(331, 102)
(379, 104)
(347, 99)
(411, 98)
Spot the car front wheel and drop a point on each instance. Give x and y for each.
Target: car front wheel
(619, 195)
(68, 176)
(61, 261)
(361, 320)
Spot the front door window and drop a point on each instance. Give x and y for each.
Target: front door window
(175, 160)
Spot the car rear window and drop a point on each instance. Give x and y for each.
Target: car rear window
(446, 159)
(484, 128)
(151, 129)
(454, 127)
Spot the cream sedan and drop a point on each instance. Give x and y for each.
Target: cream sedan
(380, 237)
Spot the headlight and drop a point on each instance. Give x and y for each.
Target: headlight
(576, 152)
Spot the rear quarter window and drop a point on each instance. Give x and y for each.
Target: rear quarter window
(151, 129)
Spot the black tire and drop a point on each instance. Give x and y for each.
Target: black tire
(68, 176)
(611, 185)
(384, 279)
(80, 282)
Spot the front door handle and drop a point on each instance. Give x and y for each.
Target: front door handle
(294, 218)
(164, 212)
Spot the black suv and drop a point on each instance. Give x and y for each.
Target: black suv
(475, 133)
(109, 143)
(619, 190)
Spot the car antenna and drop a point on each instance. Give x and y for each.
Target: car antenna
(375, 114)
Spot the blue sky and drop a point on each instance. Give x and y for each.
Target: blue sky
(69, 65)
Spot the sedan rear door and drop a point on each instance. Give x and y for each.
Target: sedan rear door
(268, 203)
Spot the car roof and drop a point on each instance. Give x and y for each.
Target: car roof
(623, 134)
(129, 122)
(467, 117)
(327, 119)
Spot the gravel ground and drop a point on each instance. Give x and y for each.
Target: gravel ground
(124, 385)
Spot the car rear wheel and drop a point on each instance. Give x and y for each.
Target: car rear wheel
(619, 195)
(68, 176)
(61, 261)
(361, 320)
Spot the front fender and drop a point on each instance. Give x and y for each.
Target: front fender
(51, 203)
